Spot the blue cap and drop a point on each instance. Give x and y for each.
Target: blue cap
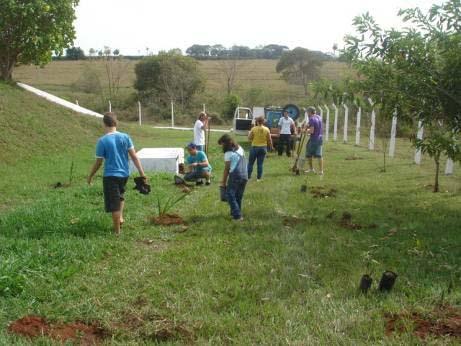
(191, 146)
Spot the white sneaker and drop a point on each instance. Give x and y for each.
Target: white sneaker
(321, 173)
(258, 180)
(309, 171)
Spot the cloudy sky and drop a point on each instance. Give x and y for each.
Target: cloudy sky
(134, 25)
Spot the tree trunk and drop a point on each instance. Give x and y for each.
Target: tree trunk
(6, 70)
(437, 169)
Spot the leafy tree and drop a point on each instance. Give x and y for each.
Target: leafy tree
(417, 71)
(299, 66)
(116, 52)
(30, 31)
(198, 51)
(168, 77)
(231, 102)
(92, 52)
(75, 53)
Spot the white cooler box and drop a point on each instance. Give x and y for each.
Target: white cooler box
(160, 160)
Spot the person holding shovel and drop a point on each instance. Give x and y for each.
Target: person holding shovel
(197, 165)
(235, 175)
(314, 145)
(113, 149)
(261, 140)
(200, 127)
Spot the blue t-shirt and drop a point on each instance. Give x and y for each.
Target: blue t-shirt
(199, 157)
(113, 148)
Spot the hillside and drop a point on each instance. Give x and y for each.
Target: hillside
(30, 126)
(256, 82)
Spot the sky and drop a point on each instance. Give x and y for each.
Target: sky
(134, 25)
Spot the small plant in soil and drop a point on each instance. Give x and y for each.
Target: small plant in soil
(163, 207)
(366, 281)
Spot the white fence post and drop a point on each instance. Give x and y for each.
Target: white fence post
(172, 114)
(110, 107)
(371, 141)
(320, 111)
(419, 135)
(76, 102)
(449, 167)
(357, 128)
(139, 113)
(346, 121)
(393, 134)
(327, 123)
(204, 108)
(335, 125)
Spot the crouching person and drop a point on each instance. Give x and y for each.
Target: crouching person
(235, 175)
(114, 148)
(198, 167)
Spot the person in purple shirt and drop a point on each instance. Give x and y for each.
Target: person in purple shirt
(314, 145)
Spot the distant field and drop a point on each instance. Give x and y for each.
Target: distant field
(254, 77)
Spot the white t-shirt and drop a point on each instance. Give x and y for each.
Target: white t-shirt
(233, 157)
(199, 133)
(285, 125)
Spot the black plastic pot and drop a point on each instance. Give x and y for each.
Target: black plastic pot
(303, 188)
(365, 283)
(387, 281)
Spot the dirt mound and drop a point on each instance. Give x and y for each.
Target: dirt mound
(168, 220)
(346, 222)
(291, 221)
(322, 192)
(79, 332)
(441, 322)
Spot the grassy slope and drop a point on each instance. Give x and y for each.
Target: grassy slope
(259, 282)
(59, 76)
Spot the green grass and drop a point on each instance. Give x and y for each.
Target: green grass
(255, 282)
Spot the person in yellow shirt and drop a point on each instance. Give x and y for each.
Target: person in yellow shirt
(260, 138)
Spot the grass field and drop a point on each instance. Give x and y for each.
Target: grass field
(288, 274)
(256, 81)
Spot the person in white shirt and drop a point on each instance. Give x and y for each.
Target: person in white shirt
(287, 128)
(199, 131)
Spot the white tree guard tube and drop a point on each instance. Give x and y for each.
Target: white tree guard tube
(327, 123)
(393, 135)
(419, 136)
(335, 125)
(139, 113)
(371, 141)
(449, 167)
(346, 122)
(357, 128)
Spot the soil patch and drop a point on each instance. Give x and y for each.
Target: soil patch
(346, 222)
(168, 220)
(152, 244)
(353, 158)
(292, 221)
(78, 332)
(443, 321)
(60, 185)
(322, 192)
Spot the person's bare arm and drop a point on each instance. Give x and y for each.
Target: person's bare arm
(97, 164)
(225, 174)
(136, 162)
(269, 141)
(251, 136)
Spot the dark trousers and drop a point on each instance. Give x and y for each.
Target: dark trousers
(234, 192)
(284, 141)
(256, 154)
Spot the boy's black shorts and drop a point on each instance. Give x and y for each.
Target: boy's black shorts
(114, 189)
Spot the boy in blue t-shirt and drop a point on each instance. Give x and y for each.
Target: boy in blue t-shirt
(114, 148)
(198, 166)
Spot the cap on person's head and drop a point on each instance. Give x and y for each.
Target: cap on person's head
(310, 110)
(191, 146)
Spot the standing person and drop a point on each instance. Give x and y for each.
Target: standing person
(314, 145)
(235, 175)
(114, 148)
(199, 131)
(287, 127)
(197, 166)
(260, 138)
